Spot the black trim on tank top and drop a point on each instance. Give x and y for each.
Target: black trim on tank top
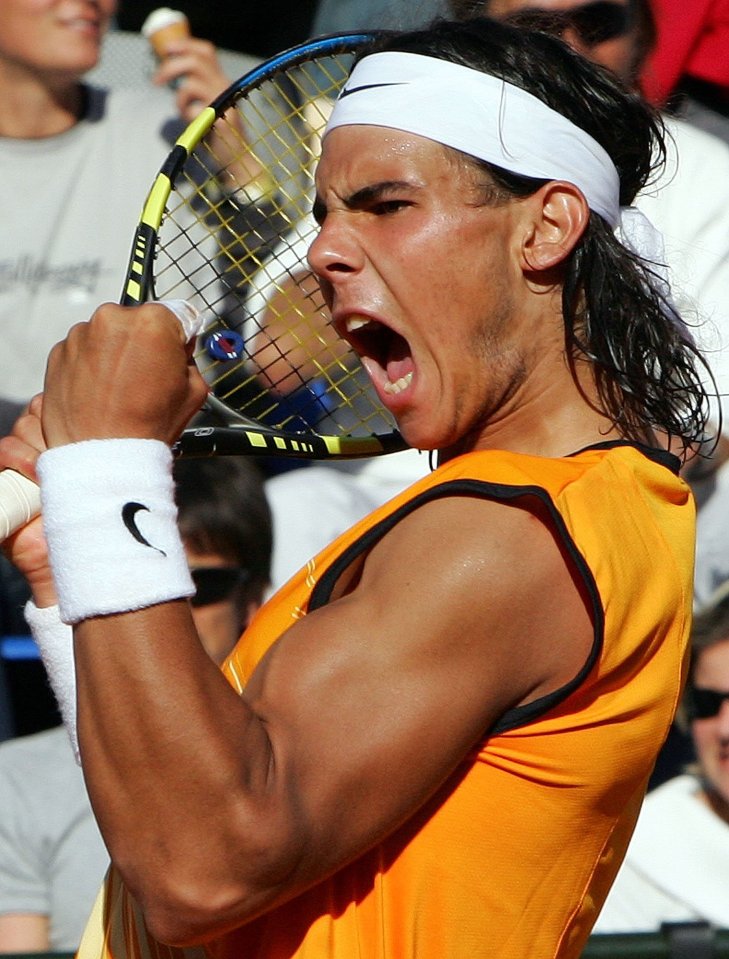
(520, 715)
(660, 456)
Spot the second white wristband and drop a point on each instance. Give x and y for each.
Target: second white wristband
(110, 519)
(54, 639)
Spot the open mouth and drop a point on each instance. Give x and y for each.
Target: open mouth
(384, 353)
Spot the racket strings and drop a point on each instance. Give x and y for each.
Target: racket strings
(233, 239)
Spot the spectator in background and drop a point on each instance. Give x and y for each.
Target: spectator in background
(52, 858)
(75, 164)
(689, 68)
(261, 31)
(677, 865)
(226, 528)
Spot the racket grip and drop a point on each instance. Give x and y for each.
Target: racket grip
(19, 502)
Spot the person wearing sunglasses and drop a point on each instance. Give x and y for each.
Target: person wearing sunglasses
(225, 522)
(618, 34)
(677, 865)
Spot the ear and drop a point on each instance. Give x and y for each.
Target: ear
(558, 215)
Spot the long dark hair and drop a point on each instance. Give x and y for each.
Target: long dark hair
(646, 366)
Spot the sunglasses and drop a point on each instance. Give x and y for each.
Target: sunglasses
(215, 583)
(593, 23)
(704, 703)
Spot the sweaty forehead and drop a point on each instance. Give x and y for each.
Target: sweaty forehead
(361, 164)
(364, 147)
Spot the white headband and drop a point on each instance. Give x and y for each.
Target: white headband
(500, 123)
(481, 115)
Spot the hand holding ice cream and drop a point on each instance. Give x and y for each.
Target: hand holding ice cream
(191, 67)
(186, 63)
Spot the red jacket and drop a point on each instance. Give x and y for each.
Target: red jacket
(693, 40)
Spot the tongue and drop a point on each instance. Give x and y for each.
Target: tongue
(399, 361)
(396, 369)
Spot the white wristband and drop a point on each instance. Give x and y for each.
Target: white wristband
(54, 639)
(110, 520)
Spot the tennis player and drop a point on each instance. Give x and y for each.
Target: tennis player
(435, 739)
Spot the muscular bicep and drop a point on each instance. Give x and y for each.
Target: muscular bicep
(465, 609)
(356, 716)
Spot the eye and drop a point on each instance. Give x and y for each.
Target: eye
(385, 207)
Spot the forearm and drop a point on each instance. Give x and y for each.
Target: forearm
(176, 762)
(177, 767)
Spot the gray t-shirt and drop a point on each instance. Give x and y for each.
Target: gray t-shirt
(52, 857)
(68, 208)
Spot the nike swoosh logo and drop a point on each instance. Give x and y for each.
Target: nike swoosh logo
(348, 91)
(129, 516)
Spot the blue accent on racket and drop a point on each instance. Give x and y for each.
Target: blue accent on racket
(225, 345)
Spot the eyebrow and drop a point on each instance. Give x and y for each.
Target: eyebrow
(365, 196)
(375, 192)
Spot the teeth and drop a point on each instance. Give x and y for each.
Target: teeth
(399, 385)
(357, 323)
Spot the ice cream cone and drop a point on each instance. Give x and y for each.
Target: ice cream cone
(162, 27)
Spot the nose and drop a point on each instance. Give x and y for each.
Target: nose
(335, 254)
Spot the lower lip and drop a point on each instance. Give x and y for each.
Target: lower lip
(396, 403)
(87, 29)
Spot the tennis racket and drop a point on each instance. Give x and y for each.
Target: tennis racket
(226, 226)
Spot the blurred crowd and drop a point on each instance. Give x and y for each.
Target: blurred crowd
(69, 151)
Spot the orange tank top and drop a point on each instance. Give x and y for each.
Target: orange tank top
(513, 858)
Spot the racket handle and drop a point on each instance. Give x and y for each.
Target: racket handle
(19, 502)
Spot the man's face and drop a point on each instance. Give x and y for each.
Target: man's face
(583, 24)
(423, 279)
(54, 36)
(711, 735)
